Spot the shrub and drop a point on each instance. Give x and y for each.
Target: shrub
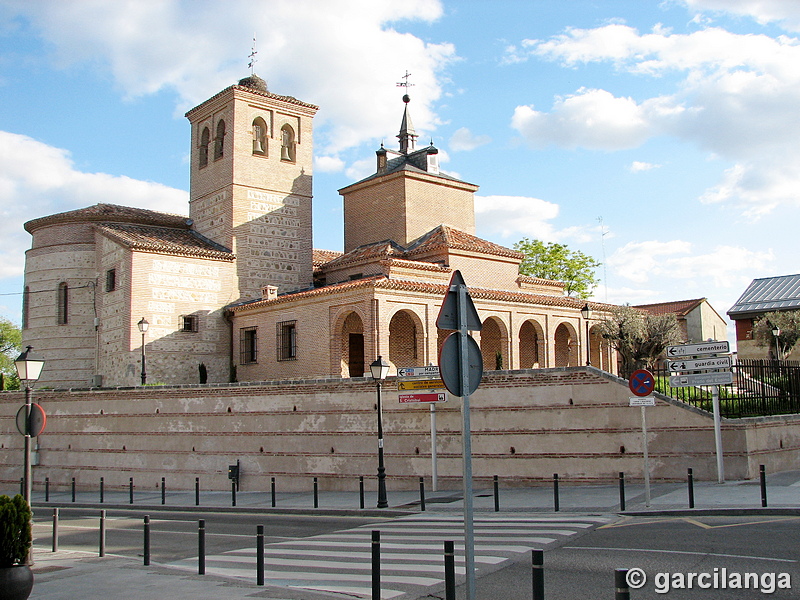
(15, 530)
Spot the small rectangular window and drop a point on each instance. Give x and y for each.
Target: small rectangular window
(248, 345)
(189, 323)
(63, 304)
(111, 280)
(286, 339)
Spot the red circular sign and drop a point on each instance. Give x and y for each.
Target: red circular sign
(36, 422)
(642, 382)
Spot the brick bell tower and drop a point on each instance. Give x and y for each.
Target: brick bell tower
(251, 172)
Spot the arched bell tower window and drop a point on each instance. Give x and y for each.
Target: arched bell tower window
(287, 143)
(259, 136)
(205, 138)
(219, 140)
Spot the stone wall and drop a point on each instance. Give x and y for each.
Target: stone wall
(527, 425)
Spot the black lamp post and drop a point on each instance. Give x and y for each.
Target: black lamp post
(776, 331)
(143, 325)
(29, 367)
(587, 314)
(380, 369)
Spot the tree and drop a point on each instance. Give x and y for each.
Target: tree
(788, 321)
(639, 337)
(559, 263)
(10, 347)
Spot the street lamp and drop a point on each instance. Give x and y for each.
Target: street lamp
(587, 314)
(380, 369)
(143, 325)
(776, 331)
(29, 367)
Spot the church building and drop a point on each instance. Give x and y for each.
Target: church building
(119, 296)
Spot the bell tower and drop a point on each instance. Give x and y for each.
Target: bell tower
(250, 190)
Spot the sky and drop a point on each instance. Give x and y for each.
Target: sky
(660, 138)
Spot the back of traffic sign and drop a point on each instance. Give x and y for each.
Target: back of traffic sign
(450, 365)
(448, 314)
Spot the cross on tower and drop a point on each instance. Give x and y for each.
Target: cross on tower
(252, 56)
(405, 83)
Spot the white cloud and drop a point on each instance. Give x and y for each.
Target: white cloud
(464, 139)
(784, 12)
(639, 166)
(520, 216)
(328, 164)
(37, 179)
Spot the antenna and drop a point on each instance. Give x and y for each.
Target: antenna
(603, 233)
(252, 56)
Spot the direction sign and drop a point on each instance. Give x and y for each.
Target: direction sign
(436, 397)
(429, 371)
(642, 382)
(702, 364)
(721, 378)
(698, 349)
(642, 401)
(420, 384)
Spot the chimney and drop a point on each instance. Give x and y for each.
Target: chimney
(269, 292)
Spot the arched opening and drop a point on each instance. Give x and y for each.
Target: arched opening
(531, 346)
(219, 140)
(404, 340)
(352, 346)
(494, 341)
(601, 353)
(566, 346)
(260, 136)
(205, 139)
(287, 143)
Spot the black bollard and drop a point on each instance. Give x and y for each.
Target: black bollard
(163, 490)
(102, 533)
(555, 492)
(102, 490)
(422, 493)
(623, 592)
(55, 530)
(260, 555)
(73, 489)
(233, 493)
(197, 491)
(762, 474)
(496, 494)
(130, 489)
(537, 574)
(690, 482)
(201, 547)
(376, 565)
(272, 491)
(449, 571)
(361, 491)
(316, 493)
(622, 490)
(47, 489)
(147, 540)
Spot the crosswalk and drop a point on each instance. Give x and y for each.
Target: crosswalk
(411, 553)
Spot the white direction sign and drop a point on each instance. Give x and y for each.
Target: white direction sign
(431, 371)
(722, 378)
(700, 364)
(642, 401)
(698, 349)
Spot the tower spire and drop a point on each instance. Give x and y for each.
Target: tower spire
(407, 135)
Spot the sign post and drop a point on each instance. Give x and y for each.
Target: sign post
(642, 383)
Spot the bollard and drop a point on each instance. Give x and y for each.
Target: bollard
(260, 555)
(163, 491)
(621, 490)
(55, 530)
(131, 490)
(496, 494)
(102, 533)
(555, 492)
(422, 493)
(272, 491)
(233, 493)
(73, 489)
(201, 547)
(47, 489)
(147, 540)
(690, 482)
(197, 491)
(361, 491)
(316, 493)
(623, 592)
(102, 490)
(537, 574)
(449, 571)
(376, 565)
(762, 474)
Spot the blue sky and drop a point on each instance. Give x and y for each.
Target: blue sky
(658, 137)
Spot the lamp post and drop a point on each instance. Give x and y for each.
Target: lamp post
(587, 314)
(380, 369)
(29, 367)
(143, 325)
(776, 332)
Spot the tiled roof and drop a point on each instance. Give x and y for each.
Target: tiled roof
(681, 308)
(769, 294)
(444, 236)
(287, 99)
(320, 257)
(111, 213)
(368, 253)
(165, 240)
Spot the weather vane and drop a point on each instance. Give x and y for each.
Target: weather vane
(405, 84)
(252, 56)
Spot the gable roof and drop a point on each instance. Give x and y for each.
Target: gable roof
(768, 294)
(680, 308)
(164, 240)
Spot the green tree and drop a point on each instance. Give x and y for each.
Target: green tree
(559, 263)
(10, 347)
(639, 337)
(788, 321)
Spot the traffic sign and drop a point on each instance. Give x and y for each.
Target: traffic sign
(436, 397)
(642, 382)
(420, 384)
(451, 307)
(702, 364)
(450, 365)
(698, 349)
(721, 378)
(429, 371)
(642, 401)
(36, 422)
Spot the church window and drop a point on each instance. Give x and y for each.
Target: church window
(25, 306)
(203, 149)
(111, 280)
(63, 304)
(259, 136)
(219, 140)
(189, 323)
(248, 345)
(286, 338)
(287, 143)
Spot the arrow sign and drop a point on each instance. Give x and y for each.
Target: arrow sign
(723, 378)
(698, 349)
(703, 364)
(420, 384)
(404, 398)
(429, 371)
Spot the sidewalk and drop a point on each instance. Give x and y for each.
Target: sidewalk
(72, 574)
